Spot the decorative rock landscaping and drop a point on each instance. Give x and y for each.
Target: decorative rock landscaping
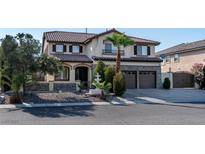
(54, 97)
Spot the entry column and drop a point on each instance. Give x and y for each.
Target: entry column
(138, 80)
(72, 75)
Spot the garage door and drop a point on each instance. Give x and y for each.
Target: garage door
(131, 79)
(147, 79)
(183, 80)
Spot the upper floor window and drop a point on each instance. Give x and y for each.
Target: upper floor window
(141, 50)
(75, 49)
(168, 59)
(163, 61)
(59, 48)
(108, 47)
(176, 58)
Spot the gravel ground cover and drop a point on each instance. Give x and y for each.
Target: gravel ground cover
(54, 97)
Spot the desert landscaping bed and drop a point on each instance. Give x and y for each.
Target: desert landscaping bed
(54, 97)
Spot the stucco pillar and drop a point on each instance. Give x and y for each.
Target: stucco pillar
(138, 80)
(90, 76)
(49, 77)
(72, 75)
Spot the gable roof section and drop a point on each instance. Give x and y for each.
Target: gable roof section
(76, 37)
(73, 37)
(101, 34)
(72, 58)
(131, 59)
(184, 47)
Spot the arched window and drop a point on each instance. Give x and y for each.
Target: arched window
(64, 75)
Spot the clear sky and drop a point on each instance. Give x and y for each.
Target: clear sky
(167, 37)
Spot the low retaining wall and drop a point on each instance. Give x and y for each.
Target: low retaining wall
(40, 86)
(52, 86)
(64, 86)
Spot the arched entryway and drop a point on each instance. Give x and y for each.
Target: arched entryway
(81, 73)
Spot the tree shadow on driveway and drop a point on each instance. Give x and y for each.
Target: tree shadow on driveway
(57, 112)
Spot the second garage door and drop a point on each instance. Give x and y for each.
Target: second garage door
(147, 79)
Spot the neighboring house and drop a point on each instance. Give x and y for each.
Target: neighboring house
(180, 59)
(80, 52)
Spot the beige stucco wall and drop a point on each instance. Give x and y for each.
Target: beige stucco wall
(72, 67)
(132, 63)
(48, 47)
(45, 47)
(186, 61)
(96, 46)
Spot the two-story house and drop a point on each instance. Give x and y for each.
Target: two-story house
(179, 60)
(80, 52)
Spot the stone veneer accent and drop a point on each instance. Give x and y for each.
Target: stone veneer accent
(64, 86)
(44, 86)
(41, 86)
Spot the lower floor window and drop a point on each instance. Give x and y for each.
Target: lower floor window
(63, 75)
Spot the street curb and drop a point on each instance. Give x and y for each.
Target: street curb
(26, 105)
(182, 104)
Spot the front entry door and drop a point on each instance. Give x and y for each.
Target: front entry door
(81, 73)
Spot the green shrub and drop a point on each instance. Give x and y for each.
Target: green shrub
(119, 84)
(203, 83)
(109, 75)
(166, 84)
(100, 68)
(16, 83)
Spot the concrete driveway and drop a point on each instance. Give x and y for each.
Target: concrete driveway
(189, 96)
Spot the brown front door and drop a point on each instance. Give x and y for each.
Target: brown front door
(147, 79)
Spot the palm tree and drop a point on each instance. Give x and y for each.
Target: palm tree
(119, 40)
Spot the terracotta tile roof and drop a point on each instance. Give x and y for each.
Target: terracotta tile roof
(141, 40)
(131, 59)
(76, 37)
(73, 58)
(184, 47)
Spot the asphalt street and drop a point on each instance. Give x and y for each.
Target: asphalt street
(139, 114)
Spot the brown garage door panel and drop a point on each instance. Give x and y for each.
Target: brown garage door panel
(130, 78)
(183, 80)
(147, 79)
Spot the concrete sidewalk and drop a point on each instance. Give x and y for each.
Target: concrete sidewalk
(26, 105)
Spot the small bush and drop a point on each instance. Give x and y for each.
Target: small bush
(198, 72)
(100, 68)
(119, 84)
(166, 84)
(203, 83)
(109, 75)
